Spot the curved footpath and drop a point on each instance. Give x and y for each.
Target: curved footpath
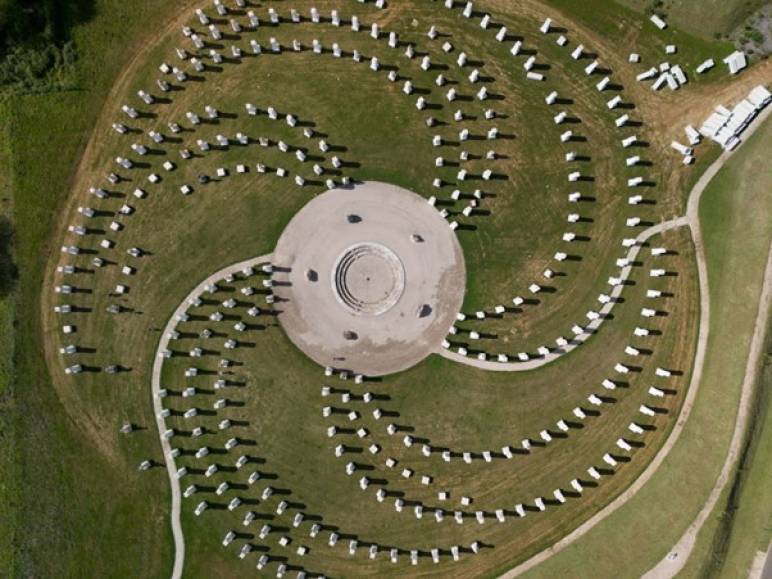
(676, 559)
(684, 545)
(669, 566)
(679, 554)
(171, 466)
(589, 329)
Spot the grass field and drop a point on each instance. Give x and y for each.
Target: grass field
(737, 239)
(715, 20)
(250, 231)
(57, 126)
(93, 492)
(745, 181)
(8, 489)
(744, 524)
(640, 34)
(425, 408)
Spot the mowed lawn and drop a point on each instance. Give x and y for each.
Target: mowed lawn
(734, 214)
(619, 20)
(8, 465)
(92, 492)
(240, 216)
(708, 19)
(66, 494)
(438, 403)
(738, 201)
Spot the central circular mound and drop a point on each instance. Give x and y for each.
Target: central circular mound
(368, 279)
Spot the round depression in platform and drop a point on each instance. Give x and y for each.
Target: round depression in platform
(368, 279)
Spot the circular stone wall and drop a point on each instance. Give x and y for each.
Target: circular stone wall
(368, 279)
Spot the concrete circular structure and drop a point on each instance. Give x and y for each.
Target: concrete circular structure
(368, 279)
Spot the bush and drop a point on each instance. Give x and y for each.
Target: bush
(8, 271)
(756, 36)
(27, 69)
(35, 47)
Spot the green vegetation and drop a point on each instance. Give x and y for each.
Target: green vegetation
(450, 405)
(91, 494)
(750, 511)
(709, 19)
(8, 489)
(36, 52)
(753, 36)
(743, 528)
(623, 26)
(733, 212)
(41, 69)
(72, 496)
(734, 215)
(8, 274)
(241, 216)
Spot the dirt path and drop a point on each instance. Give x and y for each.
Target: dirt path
(762, 564)
(163, 344)
(683, 548)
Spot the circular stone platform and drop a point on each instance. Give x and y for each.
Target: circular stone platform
(368, 279)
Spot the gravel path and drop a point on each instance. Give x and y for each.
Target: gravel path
(590, 328)
(679, 554)
(675, 560)
(171, 466)
(686, 543)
